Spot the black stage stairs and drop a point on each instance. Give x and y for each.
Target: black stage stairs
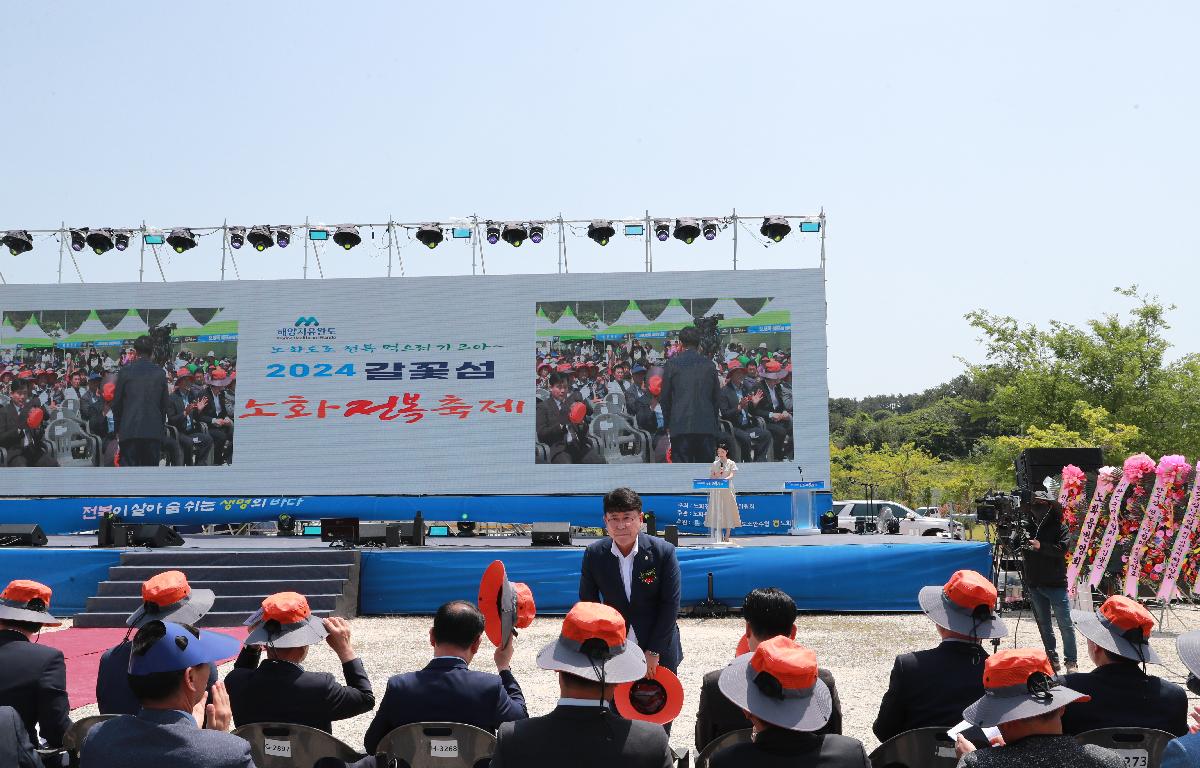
(240, 579)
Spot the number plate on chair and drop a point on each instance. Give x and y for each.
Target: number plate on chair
(277, 748)
(443, 748)
(1134, 758)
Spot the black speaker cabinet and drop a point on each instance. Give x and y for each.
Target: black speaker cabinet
(22, 535)
(339, 529)
(1036, 464)
(551, 535)
(671, 535)
(153, 535)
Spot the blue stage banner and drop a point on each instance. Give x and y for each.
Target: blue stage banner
(71, 574)
(760, 513)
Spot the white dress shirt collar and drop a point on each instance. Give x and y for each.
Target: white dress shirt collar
(625, 562)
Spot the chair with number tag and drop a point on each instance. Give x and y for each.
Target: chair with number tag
(286, 745)
(1137, 747)
(918, 748)
(719, 743)
(439, 745)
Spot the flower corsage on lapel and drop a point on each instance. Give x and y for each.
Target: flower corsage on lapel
(648, 576)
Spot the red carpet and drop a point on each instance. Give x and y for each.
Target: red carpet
(83, 648)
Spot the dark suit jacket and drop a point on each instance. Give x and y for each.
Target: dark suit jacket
(1122, 695)
(162, 737)
(113, 695)
(10, 427)
(33, 681)
(581, 737)
(16, 750)
(764, 408)
(176, 416)
(553, 425)
(140, 400)
(689, 394)
(213, 409)
(729, 407)
(793, 749)
(931, 688)
(282, 692)
(447, 691)
(718, 715)
(651, 609)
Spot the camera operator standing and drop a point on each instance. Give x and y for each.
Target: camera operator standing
(1046, 577)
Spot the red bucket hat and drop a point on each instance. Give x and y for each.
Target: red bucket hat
(964, 605)
(778, 683)
(1018, 683)
(657, 699)
(506, 606)
(1121, 626)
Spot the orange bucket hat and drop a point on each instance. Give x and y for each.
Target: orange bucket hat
(25, 600)
(592, 644)
(285, 621)
(1018, 683)
(506, 606)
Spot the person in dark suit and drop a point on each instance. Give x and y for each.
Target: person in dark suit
(592, 655)
(140, 404)
(737, 401)
(15, 748)
(779, 688)
(279, 690)
(168, 671)
(33, 677)
(689, 402)
(166, 596)
(447, 689)
(183, 413)
(769, 613)
(561, 425)
(18, 437)
(215, 414)
(771, 408)
(639, 576)
(1123, 695)
(932, 687)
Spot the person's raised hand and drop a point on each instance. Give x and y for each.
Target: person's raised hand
(1195, 726)
(218, 714)
(339, 637)
(503, 656)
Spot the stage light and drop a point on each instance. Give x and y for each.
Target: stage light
(493, 233)
(121, 239)
(461, 233)
(181, 240)
(17, 241)
(237, 237)
(601, 231)
(687, 230)
(260, 238)
(536, 232)
(347, 236)
(810, 226)
(283, 236)
(775, 227)
(100, 241)
(635, 230)
(514, 234)
(153, 238)
(78, 239)
(710, 230)
(662, 230)
(318, 234)
(430, 235)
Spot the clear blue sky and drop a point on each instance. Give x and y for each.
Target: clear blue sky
(1024, 157)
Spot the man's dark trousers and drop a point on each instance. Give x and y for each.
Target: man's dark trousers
(140, 452)
(693, 449)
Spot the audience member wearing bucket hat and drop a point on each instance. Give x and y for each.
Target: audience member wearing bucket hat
(778, 687)
(1025, 701)
(1184, 751)
(166, 596)
(33, 677)
(1123, 694)
(447, 689)
(592, 655)
(769, 612)
(279, 690)
(931, 687)
(169, 667)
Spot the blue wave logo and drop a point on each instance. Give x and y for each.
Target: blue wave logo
(306, 321)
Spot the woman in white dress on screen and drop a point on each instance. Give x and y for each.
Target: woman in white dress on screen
(722, 516)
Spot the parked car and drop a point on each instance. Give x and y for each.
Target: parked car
(911, 523)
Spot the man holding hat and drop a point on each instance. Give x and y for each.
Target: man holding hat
(33, 677)
(165, 597)
(21, 429)
(1025, 701)
(778, 687)
(279, 690)
(169, 668)
(447, 689)
(592, 655)
(560, 424)
(1122, 694)
(931, 687)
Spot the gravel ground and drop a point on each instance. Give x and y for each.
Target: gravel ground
(858, 649)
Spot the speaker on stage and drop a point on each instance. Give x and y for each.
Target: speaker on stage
(1036, 464)
(829, 521)
(152, 535)
(22, 535)
(671, 535)
(373, 533)
(339, 530)
(651, 523)
(551, 535)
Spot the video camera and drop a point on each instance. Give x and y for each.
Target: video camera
(161, 336)
(710, 339)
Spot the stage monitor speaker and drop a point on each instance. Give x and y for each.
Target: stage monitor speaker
(343, 530)
(551, 535)
(372, 533)
(1036, 464)
(153, 535)
(399, 534)
(671, 535)
(22, 535)
(651, 523)
(829, 521)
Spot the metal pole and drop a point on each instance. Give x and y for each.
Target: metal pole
(562, 230)
(646, 234)
(224, 241)
(735, 229)
(475, 232)
(560, 244)
(391, 242)
(305, 273)
(142, 253)
(62, 236)
(822, 238)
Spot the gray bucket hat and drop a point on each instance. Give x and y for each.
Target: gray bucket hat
(285, 621)
(778, 683)
(593, 644)
(167, 596)
(1018, 683)
(1121, 626)
(1188, 646)
(965, 605)
(24, 600)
